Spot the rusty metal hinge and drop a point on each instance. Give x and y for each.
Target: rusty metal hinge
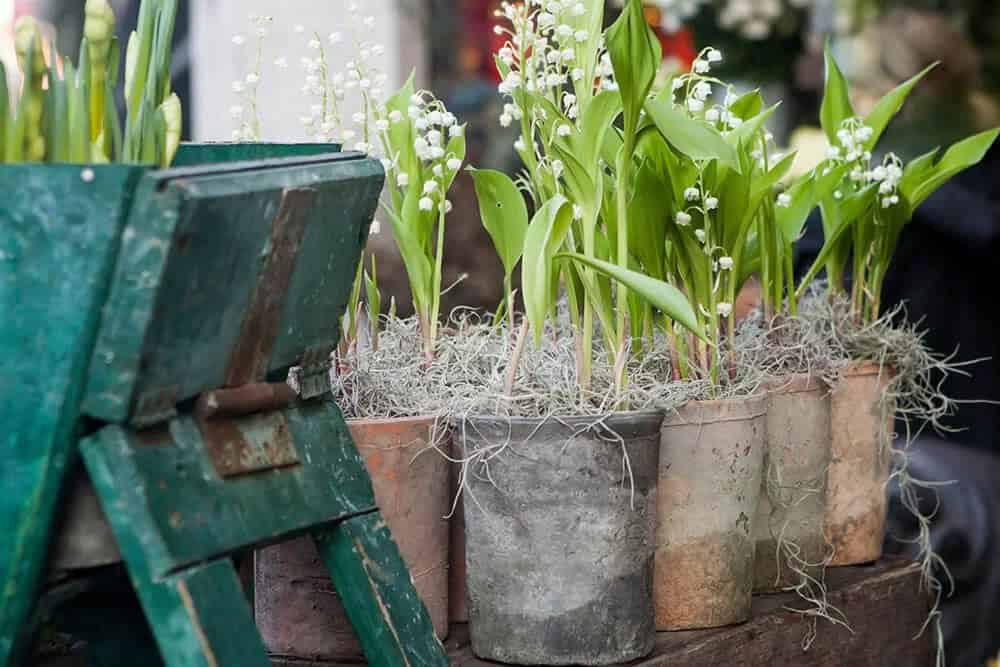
(245, 430)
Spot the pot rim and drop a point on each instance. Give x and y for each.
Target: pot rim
(758, 403)
(865, 367)
(430, 420)
(571, 419)
(795, 383)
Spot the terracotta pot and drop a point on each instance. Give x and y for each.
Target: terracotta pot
(862, 421)
(793, 499)
(560, 538)
(296, 606)
(711, 466)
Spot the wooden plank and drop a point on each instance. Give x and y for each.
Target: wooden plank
(169, 506)
(191, 262)
(197, 154)
(377, 591)
(59, 233)
(883, 604)
(200, 617)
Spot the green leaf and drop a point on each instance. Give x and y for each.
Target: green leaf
(545, 234)
(598, 117)
(887, 107)
(745, 133)
(747, 105)
(636, 55)
(849, 212)
(504, 214)
(691, 137)
(372, 295)
(836, 107)
(419, 270)
(662, 295)
(5, 113)
(806, 194)
(961, 156)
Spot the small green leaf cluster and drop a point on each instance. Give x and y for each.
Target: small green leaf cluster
(67, 114)
(864, 216)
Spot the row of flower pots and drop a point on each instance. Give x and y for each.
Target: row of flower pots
(582, 537)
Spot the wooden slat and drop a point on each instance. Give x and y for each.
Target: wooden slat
(192, 260)
(59, 231)
(883, 603)
(200, 617)
(377, 591)
(168, 505)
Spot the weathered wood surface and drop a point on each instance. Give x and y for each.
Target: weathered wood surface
(392, 624)
(198, 270)
(59, 229)
(883, 603)
(170, 508)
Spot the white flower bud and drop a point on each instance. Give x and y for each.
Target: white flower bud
(426, 204)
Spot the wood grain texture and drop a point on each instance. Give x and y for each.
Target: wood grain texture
(191, 261)
(882, 602)
(59, 230)
(170, 508)
(377, 591)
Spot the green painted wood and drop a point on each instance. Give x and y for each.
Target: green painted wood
(59, 230)
(169, 508)
(200, 617)
(377, 590)
(194, 154)
(191, 260)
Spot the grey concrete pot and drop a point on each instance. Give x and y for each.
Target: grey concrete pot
(711, 467)
(560, 537)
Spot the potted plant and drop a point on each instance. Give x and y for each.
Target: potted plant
(706, 201)
(862, 221)
(382, 362)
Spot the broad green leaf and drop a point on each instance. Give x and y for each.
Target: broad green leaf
(662, 295)
(747, 105)
(418, 266)
(691, 137)
(916, 171)
(746, 132)
(648, 209)
(849, 212)
(545, 234)
(836, 107)
(961, 156)
(504, 214)
(636, 55)
(598, 117)
(887, 107)
(592, 23)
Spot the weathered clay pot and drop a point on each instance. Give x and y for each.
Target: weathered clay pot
(792, 507)
(297, 610)
(560, 538)
(711, 467)
(861, 440)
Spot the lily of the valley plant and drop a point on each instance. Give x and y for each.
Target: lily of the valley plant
(67, 114)
(422, 147)
(874, 201)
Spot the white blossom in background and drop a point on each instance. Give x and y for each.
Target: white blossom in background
(757, 19)
(244, 111)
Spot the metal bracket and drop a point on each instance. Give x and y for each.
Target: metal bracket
(311, 378)
(245, 430)
(155, 407)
